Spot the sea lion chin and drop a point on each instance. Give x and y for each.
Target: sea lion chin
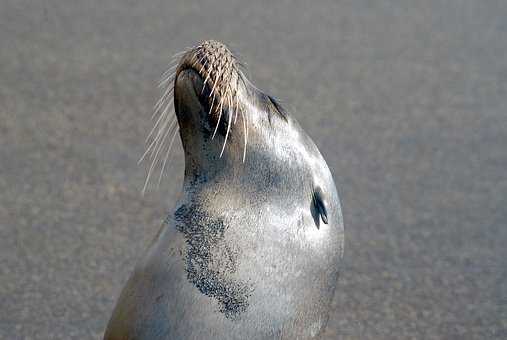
(253, 247)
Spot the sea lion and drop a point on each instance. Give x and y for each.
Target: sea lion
(252, 249)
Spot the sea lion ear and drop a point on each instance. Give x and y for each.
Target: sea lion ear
(319, 206)
(278, 107)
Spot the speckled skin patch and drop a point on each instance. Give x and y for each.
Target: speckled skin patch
(211, 261)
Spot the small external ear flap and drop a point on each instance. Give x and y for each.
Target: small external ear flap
(279, 108)
(319, 207)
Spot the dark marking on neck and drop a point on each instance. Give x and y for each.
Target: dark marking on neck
(211, 261)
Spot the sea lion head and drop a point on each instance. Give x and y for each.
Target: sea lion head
(236, 135)
(214, 97)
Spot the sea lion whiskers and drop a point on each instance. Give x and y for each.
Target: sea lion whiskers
(211, 107)
(150, 146)
(161, 102)
(171, 71)
(154, 143)
(164, 78)
(167, 155)
(205, 82)
(231, 103)
(229, 110)
(168, 124)
(158, 147)
(219, 106)
(164, 122)
(236, 102)
(162, 115)
(208, 75)
(163, 98)
(172, 64)
(202, 68)
(238, 105)
(245, 132)
(216, 81)
(168, 75)
(169, 78)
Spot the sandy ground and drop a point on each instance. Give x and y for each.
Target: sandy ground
(406, 100)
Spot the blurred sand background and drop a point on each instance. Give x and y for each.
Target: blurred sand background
(405, 98)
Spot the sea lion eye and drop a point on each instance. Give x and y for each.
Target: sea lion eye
(319, 207)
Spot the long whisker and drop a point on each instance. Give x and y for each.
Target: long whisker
(154, 161)
(162, 100)
(237, 96)
(216, 81)
(162, 116)
(164, 81)
(167, 155)
(228, 129)
(218, 122)
(245, 124)
(211, 107)
(171, 67)
(179, 54)
(169, 70)
(168, 124)
(171, 121)
(165, 120)
(206, 80)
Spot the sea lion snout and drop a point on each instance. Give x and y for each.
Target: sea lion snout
(219, 75)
